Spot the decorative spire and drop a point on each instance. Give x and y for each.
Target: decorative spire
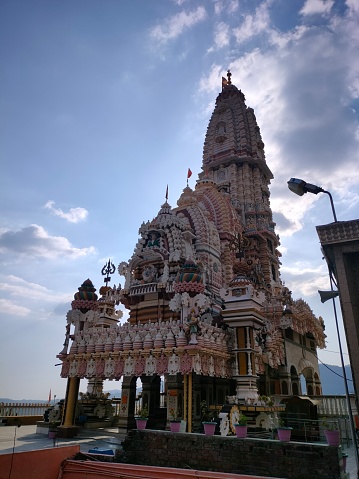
(108, 269)
(229, 74)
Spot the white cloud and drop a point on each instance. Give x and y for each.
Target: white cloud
(218, 7)
(34, 241)
(221, 35)
(305, 279)
(9, 307)
(175, 25)
(74, 215)
(253, 24)
(233, 6)
(16, 286)
(312, 7)
(301, 84)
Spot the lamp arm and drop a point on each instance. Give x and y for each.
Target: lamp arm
(332, 204)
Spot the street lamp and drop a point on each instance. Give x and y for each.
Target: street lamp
(299, 187)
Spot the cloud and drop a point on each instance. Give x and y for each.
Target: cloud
(175, 25)
(62, 308)
(9, 307)
(302, 84)
(221, 35)
(34, 241)
(304, 279)
(253, 24)
(218, 7)
(228, 6)
(74, 215)
(312, 7)
(232, 6)
(16, 286)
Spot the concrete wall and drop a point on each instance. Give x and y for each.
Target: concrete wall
(260, 457)
(40, 464)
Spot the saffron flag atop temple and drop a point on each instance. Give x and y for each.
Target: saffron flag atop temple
(189, 173)
(224, 82)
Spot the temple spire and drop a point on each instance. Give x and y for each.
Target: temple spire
(229, 74)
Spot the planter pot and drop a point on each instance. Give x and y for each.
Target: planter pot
(332, 437)
(241, 430)
(141, 422)
(209, 428)
(284, 433)
(175, 426)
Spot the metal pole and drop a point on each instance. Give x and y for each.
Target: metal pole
(332, 204)
(350, 412)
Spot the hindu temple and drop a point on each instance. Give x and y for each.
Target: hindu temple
(210, 318)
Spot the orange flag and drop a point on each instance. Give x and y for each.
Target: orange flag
(189, 173)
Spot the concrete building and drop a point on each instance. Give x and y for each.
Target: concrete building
(340, 243)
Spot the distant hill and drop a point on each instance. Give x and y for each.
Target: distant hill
(332, 379)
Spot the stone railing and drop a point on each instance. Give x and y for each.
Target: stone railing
(22, 409)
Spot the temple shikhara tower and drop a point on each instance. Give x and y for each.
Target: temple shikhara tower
(209, 316)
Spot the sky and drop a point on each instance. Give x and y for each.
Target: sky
(104, 103)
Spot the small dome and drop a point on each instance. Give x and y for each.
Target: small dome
(86, 298)
(86, 292)
(189, 278)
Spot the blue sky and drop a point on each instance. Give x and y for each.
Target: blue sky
(104, 103)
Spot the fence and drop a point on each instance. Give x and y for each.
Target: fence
(22, 409)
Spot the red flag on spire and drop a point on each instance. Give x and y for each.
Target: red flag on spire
(49, 396)
(189, 173)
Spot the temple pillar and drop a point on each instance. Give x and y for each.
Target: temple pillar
(68, 427)
(189, 404)
(175, 395)
(126, 419)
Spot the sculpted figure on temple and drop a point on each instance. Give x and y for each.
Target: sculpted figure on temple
(193, 328)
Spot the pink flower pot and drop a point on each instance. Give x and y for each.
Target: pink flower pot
(209, 428)
(141, 422)
(175, 426)
(284, 434)
(241, 431)
(332, 437)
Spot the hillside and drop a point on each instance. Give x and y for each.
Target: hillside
(332, 379)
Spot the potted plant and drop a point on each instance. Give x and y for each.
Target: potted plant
(208, 419)
(142, 418)
(175, 424)
(331, 432)
(241, 426)
(284, 433)
(52, 429)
